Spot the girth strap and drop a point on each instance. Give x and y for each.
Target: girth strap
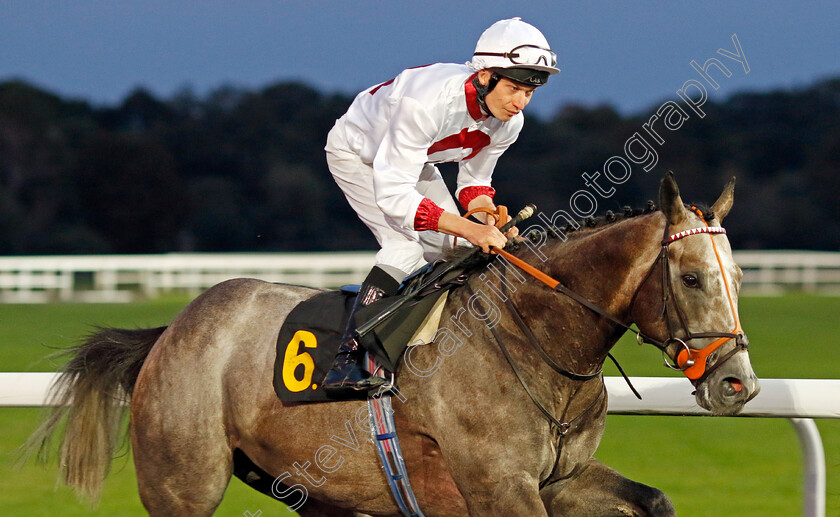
(388, 446)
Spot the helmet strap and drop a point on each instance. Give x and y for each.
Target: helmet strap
(483, 90)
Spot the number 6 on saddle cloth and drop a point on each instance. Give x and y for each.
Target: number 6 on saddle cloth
(309, 338)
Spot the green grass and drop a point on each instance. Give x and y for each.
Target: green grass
(735, 466)
(32, 490)
(30, 333)
(708, 466)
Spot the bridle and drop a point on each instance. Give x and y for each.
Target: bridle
(691, 361)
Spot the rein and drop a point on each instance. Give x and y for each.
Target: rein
(692, 362)
(562, 427)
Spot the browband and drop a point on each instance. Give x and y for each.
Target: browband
(695, 231)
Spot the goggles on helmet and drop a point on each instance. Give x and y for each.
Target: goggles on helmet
(526, 55)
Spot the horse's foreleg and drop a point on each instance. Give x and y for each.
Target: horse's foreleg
(599, 491)
(513, 494)
(517, 494)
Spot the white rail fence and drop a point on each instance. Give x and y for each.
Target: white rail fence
(122, 278)
(799, 400)
(778, 271)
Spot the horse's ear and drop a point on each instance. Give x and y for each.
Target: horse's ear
(669, 200)
(724, 202)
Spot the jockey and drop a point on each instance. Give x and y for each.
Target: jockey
(382, 154)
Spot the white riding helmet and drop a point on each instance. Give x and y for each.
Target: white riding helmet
(516, 50)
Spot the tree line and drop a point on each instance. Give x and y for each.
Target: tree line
(244, 170)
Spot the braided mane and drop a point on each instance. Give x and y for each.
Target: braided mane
(569, 231)
(627, 212)
(608, 218)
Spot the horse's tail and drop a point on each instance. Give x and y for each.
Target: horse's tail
(92, 393)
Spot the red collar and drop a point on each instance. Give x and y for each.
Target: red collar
(472, 99)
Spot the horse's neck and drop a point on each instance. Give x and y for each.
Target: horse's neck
(606, 266)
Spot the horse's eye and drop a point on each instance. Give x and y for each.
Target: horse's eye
(690, 281)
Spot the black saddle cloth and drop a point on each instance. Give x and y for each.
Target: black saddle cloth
(309, 338)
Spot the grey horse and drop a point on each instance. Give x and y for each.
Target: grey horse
(475, 441)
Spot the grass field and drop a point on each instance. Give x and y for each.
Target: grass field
(708, 466)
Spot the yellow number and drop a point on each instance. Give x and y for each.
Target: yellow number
(292, 359)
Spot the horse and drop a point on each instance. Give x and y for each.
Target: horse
(500, 415)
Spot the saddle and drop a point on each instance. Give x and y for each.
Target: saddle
(309, 337)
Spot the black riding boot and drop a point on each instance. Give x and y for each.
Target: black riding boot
(347, 377)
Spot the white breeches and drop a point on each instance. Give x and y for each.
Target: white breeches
(401, 248)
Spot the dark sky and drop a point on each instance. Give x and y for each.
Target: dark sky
(633, 55)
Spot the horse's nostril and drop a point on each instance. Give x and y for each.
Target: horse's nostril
(732, 387)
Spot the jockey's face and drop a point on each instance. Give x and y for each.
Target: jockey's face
(508, 97)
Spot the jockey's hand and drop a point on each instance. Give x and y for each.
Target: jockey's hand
(484, 236)
(481, 235)
(487, 202)
(512, 232)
